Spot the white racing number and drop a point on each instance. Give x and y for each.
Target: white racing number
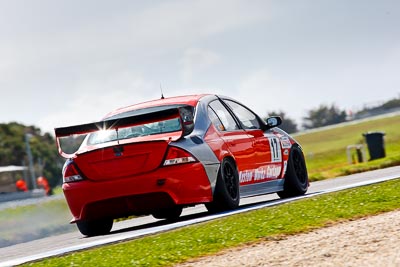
(275, 146)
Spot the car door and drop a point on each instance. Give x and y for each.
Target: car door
(267, 164)
(237, 140)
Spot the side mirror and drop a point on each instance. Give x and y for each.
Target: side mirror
(274, 121)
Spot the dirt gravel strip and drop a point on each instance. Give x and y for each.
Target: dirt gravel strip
(371, 241)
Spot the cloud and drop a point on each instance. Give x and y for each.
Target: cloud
(196, 60)
(49, 34)
(263, 93)
(61, 60)
(56, 52)
(98, 97)
(179, 23)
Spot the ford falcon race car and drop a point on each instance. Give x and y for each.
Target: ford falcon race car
(160, 156)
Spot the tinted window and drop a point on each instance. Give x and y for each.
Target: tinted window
(220, 117)
(165, 126)
(215, 120)
(247, 118)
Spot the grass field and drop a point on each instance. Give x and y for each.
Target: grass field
(325, 150)
(33, 222)
(168, 248)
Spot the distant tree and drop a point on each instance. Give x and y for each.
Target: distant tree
(394, 103)
(387, 106)
(288, 125)
(323, 116)
(43, 149)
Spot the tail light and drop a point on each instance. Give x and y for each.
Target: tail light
(177, 155)
(70, 173)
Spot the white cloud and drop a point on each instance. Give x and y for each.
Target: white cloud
(73, 61)
(98, 97)
(258, 90)
(197, 60)
(97, 35)
(56, 51)
(264, 93)
(179, 23)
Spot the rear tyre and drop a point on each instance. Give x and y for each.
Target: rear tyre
(296, 177)
(170, 214)
(226, 194)
(95, 227)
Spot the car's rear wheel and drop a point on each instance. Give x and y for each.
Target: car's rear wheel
(296, 177)
(226, 194)
(170, 214)
(95, 227)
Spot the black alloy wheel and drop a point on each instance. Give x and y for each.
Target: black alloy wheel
(226, 192)
(296, 177)
(230, 179)
(300, 167)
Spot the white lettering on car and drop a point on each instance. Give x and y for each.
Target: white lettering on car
(246, 176)
(273, 171)
(262, 173)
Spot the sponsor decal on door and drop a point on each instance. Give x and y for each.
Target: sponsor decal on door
(260, 174)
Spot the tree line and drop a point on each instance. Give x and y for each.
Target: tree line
(13, 151)
(325, 115)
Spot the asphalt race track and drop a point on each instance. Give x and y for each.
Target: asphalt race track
(130, 229)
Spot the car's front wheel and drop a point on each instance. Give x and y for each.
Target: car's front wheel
(226, 194)
(95, 227)
(296, 177)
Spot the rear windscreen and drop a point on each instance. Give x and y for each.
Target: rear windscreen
(161, 123)
(159, 127)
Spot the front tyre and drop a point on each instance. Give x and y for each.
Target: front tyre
(226, 194)
(95, 227)
(296, 177)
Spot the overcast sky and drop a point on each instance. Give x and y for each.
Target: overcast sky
(68, 62)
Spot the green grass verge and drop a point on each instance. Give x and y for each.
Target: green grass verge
(325, 150)
(26, 223)
(169, 248)
(57, 190)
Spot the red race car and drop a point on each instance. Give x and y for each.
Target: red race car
(160, 156)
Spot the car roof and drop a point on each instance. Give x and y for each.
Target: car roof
(186, 99)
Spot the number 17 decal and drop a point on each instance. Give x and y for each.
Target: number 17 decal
(275, 146)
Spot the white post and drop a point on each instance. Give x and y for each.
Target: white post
(30, 159)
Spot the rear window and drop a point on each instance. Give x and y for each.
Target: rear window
(159, 127)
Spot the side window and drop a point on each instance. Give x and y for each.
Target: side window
(247, 118)
(215, 120)
(220, 117)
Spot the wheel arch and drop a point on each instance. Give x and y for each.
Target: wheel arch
(296, 180)
(286, 158)
(229, 157)
(227, 193)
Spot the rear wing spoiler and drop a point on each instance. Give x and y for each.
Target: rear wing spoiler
(184, 112)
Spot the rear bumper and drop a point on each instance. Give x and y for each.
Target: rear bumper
(185, 184)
